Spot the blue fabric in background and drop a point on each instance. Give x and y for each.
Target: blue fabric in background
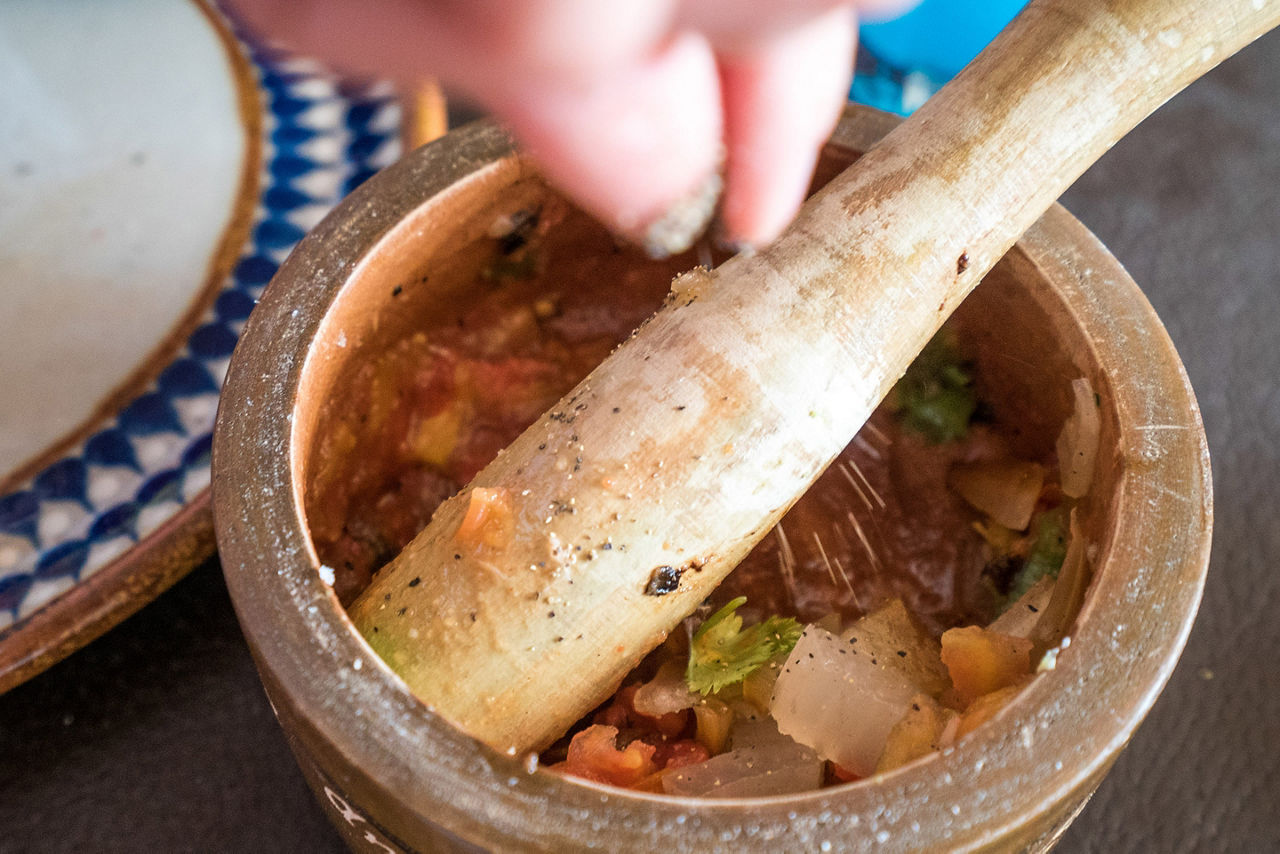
(903, 61)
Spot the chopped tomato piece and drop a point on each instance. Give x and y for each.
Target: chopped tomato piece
(514, 389)
(841, 774)
(622, 713)
(677, 754)
(594, 755)
(489, 520)
(669, 725)
(614, 715)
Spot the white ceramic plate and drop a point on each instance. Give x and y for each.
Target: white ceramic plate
(155, 168)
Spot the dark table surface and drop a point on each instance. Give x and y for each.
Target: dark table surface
(158, 737)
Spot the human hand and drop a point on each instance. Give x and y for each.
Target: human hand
(634, 108)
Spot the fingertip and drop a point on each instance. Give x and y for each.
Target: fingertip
(782, 99)
(638, 149)
(755, 210)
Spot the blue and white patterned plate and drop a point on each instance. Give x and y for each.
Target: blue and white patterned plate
(155, 169)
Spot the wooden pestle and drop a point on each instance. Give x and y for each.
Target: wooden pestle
(681, 450)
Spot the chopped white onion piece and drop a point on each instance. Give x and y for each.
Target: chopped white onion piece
(760, 763)
(895, 639)
(1078, 441)
(1068, 592)
(840, 700)
(667, 692)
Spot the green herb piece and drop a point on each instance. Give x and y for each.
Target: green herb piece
(1047, 552)
(935, 396)
(723, 652)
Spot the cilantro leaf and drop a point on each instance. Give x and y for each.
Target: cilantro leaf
(935, 396)
(723, 652)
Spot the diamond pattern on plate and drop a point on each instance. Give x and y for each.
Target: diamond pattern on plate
(322, 137)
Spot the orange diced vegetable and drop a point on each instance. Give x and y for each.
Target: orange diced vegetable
(651, 784)
(985, 708)
(489, 520)
(1006, 489)
(915, 735)
(594, 755)
(981, 661)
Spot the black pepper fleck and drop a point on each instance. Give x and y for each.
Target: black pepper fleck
(416, 581)
(962, 263)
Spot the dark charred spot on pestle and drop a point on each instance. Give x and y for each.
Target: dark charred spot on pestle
(663, 580)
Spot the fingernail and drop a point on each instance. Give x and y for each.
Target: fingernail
(684, 221)
(730, 245)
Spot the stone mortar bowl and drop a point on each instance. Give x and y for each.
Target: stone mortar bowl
(394, 776)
